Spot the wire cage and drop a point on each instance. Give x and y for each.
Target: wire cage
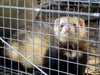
(35, 19)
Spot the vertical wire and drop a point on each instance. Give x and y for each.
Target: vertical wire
(78, 38)
(58, 37)
(95, 59)
(46, 19)
(33, 31)
(10, 33)
(49, 39)
(46, 12)
(25, 37)
(49, 35)
(68, 3)
(75, 7)
(88, 35)
(52, 16)
(41, 32)
(4, 37)
(97, 39)
(99, 46)
(18, 34)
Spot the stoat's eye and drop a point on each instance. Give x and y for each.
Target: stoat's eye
(62, 25)
(74, 24)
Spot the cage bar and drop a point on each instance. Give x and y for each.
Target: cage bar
(22, 16)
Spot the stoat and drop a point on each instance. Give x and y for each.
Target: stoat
(65, 53)
(32, 42)
(65, 48)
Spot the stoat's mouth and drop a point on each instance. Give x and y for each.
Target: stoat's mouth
(69, 34)
(66, 33)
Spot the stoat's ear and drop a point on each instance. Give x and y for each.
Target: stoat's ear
(81, 22)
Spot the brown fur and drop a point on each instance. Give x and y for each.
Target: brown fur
(34, 47)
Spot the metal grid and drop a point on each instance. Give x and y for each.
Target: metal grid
(16, 13)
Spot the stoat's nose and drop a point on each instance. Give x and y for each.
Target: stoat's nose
(67, 28)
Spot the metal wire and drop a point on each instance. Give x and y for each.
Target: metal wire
(53, 11)
(22, 56)
(51, 8)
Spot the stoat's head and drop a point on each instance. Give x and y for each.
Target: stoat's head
(69, 27)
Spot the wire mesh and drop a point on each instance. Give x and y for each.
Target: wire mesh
(26, 26)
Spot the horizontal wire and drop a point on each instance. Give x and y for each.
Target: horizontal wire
(53, 11)
(82, 1)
